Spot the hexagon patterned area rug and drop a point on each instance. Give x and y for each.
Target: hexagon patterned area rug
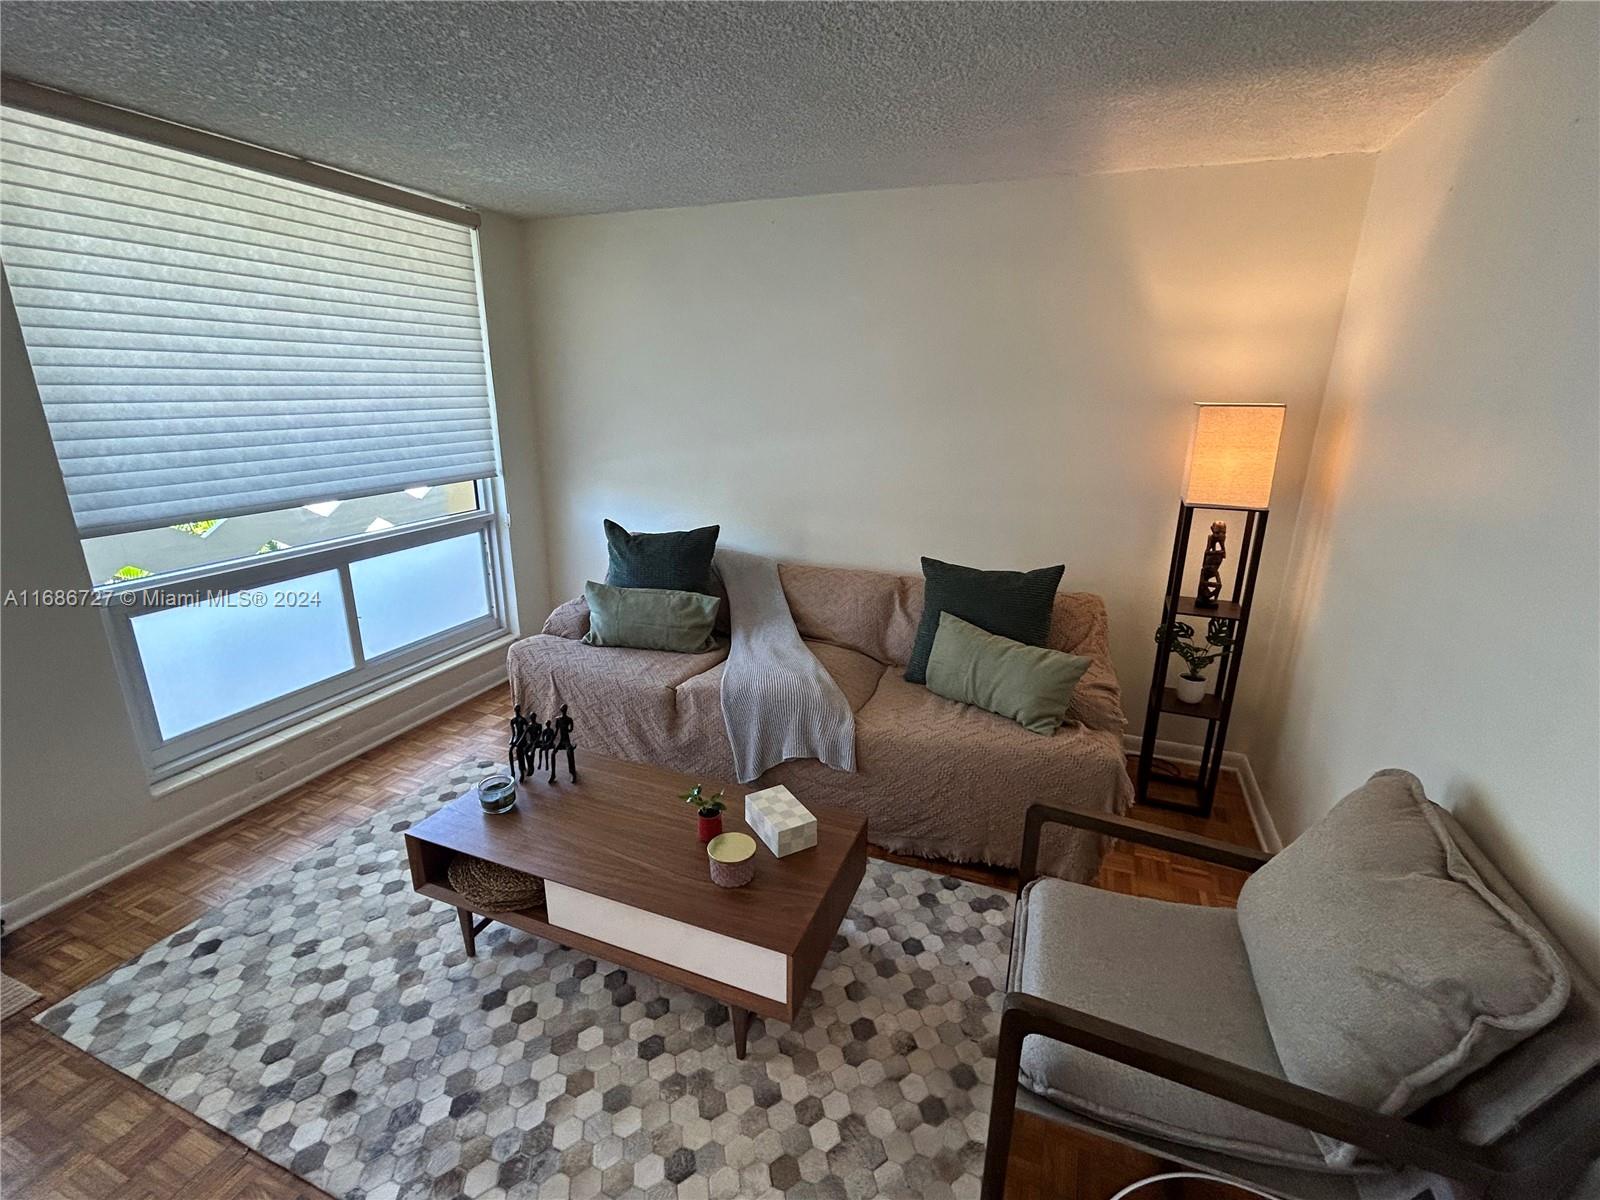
(331, 1020)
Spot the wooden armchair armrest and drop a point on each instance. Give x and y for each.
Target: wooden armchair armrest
(1391, 1138)
(1191, 845)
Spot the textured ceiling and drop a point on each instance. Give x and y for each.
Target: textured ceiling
(557, 108)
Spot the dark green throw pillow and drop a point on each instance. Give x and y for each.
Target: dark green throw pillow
(678, 562)
(1011, 604)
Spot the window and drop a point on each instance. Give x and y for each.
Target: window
(120, 556)
(270, 402)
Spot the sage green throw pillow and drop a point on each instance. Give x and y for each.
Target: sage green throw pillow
(1030, 684)
(649, 618)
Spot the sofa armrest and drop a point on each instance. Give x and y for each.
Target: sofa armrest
(570, 620)
(1190, 845)
(1391, 1138)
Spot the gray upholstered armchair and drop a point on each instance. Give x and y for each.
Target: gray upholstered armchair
(1380, 1019)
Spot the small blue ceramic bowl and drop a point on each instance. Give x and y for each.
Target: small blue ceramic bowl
(497, 793)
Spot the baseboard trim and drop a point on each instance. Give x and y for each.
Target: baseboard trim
(1232, 760)
(32, 905)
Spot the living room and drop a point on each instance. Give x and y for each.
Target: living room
(898, 412)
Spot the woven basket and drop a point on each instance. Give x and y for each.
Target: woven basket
(489, 887)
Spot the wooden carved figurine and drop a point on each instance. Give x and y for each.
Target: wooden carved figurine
(564, 741)
(1210, 588)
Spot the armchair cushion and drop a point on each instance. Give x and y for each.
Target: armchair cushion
(1175, 971)
(1387, 969)
(1494, 1100)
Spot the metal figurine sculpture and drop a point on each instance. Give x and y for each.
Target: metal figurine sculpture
(534, 746)
(547, 748)
(530, 744)
(519, 753)
(564, 741)
(1210, 587)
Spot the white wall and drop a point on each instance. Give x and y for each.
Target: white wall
(75, 803)
(1450, 548)
(998, 374)
(71, 783)
(502, 257)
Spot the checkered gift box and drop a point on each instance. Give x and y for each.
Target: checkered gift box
(780, 821)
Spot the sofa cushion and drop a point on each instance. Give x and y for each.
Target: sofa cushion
(953, 781)
(1175, 971)
(649, 618)
(855, 673)
(1013, 604)
(621, 690)
(1079, 625)
(871, 612)
(678, 561)
(1387, 969)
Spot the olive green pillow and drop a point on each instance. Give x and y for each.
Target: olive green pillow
(1030, 684)
(649, 618)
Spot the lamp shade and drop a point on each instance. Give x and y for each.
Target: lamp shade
(1232, 455)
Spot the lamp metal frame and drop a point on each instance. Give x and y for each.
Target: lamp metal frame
(1217, 707)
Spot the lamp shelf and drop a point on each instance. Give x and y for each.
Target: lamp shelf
(1209, 708)
(1216, 708)
(1226, 610)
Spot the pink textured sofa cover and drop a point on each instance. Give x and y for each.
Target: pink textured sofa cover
(934, 777)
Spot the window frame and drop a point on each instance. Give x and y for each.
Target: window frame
(167, 757)
(123, 601)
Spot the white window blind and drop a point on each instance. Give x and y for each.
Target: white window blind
(211, 341)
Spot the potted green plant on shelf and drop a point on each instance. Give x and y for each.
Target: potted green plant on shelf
(1191, 685)
(708, 809)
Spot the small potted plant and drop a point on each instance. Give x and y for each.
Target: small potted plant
(708, 809)
(1191, 685)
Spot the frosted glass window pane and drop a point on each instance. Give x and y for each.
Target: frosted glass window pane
(209, 661)
(412, 594)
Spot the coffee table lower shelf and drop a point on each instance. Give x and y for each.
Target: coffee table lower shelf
(534, 920)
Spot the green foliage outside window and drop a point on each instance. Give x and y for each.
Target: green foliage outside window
(197, 528)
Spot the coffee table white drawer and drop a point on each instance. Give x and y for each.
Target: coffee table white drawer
(687, 947)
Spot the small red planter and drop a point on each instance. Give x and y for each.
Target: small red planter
(710, 827)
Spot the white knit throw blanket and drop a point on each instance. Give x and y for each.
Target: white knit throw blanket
(777, 700)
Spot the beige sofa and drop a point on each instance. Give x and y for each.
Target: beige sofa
(933, 777)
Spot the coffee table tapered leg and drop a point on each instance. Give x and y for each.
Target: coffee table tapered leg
(467, 932)
(741, 1029)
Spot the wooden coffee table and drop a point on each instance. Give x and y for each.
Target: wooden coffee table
(627, 881)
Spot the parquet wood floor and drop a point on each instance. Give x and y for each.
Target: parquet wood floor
(74, 1129)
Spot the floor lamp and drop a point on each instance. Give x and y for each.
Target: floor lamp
(1233, 453)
